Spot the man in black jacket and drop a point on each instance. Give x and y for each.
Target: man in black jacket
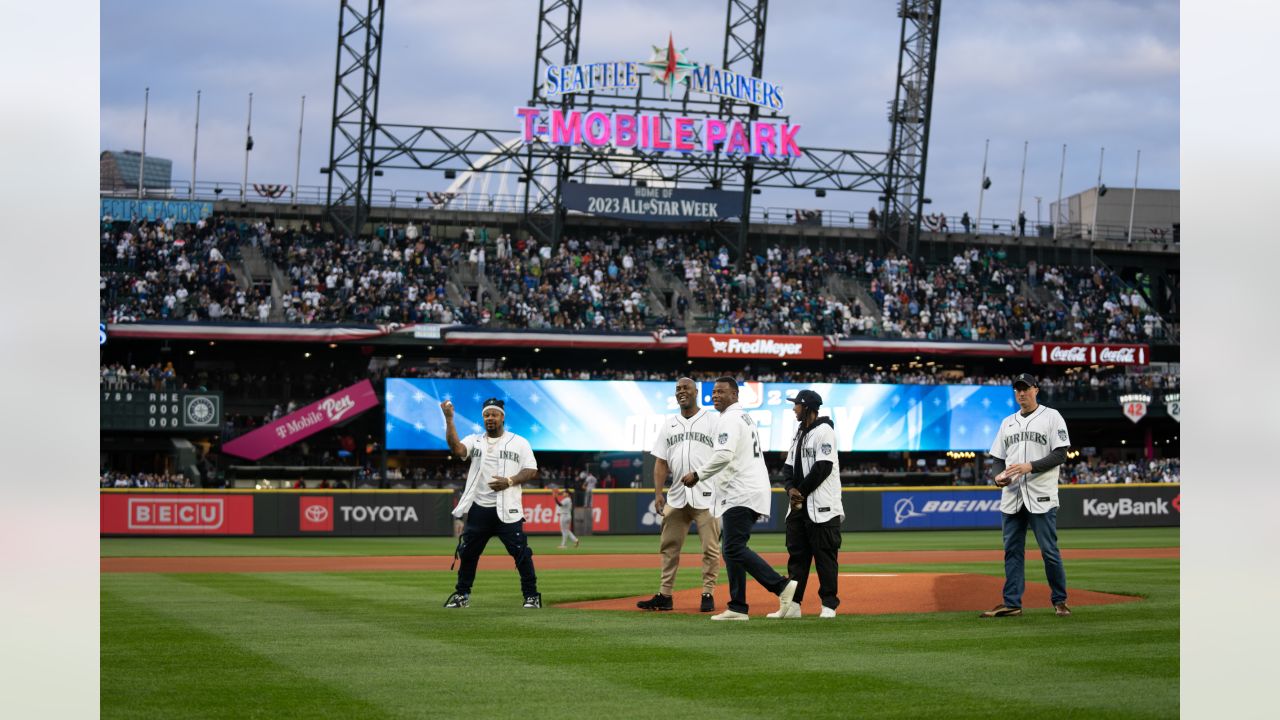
(813, 488)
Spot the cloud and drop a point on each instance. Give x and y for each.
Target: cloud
(1088, 73)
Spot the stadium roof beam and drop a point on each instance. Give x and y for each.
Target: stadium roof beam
(355, 115)
(744, 54)
(360, 146)
(909, 117)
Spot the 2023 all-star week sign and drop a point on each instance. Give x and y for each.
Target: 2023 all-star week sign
(652, 204)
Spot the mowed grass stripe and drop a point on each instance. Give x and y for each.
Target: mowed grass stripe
(633, 665)
(156, 663)
(613, 544)
(413, 666)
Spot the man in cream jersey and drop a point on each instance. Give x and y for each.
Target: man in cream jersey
(501, 462)
(683, 443)
(742, 497)
(1029, 447)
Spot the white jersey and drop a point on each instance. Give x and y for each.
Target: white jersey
(1027, 439)
(737, 465)
(686, 444)
(503, 456)
(820, 446)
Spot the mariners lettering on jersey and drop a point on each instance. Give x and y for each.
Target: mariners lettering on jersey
(1026, 436)
(501, 455)
(703, 438)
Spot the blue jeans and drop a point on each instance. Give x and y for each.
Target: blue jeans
(482, 524)
(1045, 527)
(740, 560)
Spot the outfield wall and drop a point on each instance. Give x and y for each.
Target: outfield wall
(320, 513)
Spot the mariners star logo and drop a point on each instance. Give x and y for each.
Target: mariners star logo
(669, 66)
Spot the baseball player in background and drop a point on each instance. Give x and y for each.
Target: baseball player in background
(501, 462)
(684, 443)
(564, 513)
(1028, 449)
(813, 488)
(742, 497)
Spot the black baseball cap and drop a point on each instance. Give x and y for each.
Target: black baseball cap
(494, 402)
(1025, 379)
(807, 398)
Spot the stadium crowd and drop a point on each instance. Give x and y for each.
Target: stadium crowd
(155, 376)
(402, 274)
(114, 479)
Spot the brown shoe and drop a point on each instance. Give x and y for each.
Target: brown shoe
(1001, 611)
(1061, 610)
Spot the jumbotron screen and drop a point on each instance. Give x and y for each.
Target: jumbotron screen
(622, 415)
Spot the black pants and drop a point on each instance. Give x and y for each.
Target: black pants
(740, 560)
(482, 524)
(818, 543)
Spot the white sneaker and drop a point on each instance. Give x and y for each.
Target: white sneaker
(827, 612)
(784, 597)
(731, 615)
(793, 611)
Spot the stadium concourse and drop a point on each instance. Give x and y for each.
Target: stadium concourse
(273, 312)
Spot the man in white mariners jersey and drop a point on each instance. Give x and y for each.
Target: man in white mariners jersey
(813, 488)
(501, 462)
(1028, 449)
(742, 497)
(684, 443)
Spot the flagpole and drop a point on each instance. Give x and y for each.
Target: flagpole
(1062, 173)
(982, 185)
(1133, 197)
(248, 145)
(297, 168)
(142, 162)
(1097, 196)
(1023, 179)
(195, 148)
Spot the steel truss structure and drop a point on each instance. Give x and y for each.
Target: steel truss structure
(361, 146)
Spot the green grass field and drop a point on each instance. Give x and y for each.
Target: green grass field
(379, 645)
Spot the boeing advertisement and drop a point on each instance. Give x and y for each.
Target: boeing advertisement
(625, 415)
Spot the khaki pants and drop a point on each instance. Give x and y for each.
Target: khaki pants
(675, 528)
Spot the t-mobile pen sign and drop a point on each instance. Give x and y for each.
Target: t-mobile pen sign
(320, 415)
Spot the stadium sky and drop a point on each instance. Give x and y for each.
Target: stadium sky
(1087, 73)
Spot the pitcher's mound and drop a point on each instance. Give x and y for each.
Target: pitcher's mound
(876, 594)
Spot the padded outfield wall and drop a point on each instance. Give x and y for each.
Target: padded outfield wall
(319, 513)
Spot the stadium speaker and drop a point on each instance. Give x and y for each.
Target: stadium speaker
(450, 174)
(377, 173)
(986, 183)
(642, 183)
(755, 191)
(1102, 190)
(819, 193)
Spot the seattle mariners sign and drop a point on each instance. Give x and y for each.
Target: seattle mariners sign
(656, 133)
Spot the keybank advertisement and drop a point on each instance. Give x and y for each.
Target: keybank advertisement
(926, 509)
(622, 415)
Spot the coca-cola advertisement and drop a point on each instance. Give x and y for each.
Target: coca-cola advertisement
(319, 415)
(1089, 354)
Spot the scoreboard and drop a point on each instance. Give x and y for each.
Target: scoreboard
(160, 410)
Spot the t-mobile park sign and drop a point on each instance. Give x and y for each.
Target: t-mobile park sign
(1089, 354)
(776, 347)
(656, 133)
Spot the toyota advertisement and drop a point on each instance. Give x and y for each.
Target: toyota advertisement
(624, 415)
